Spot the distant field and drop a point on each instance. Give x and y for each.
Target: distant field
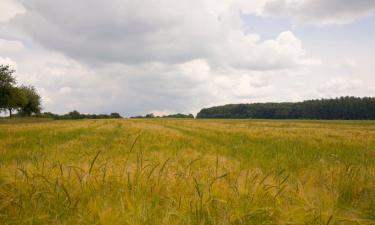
(187, 172)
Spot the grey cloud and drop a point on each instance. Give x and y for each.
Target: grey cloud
(165, 31)
(321, 12)
(131, 90)
(119, 31)
(158, 87)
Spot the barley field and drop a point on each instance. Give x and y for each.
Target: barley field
(169, 171)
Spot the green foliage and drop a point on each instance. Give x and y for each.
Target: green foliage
(75, 115)
(7, 82)
(177, 116)
(24, 99)
(151, 115)
(115, 115)
(338, 108)
(15, 99)
(6, 76)
(31, 103)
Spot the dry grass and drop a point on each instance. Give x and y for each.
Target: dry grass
(187, 172)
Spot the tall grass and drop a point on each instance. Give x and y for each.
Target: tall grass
(187, 172)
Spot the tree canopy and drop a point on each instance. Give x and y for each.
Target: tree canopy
(24, 99)
(75, 115)
(176, 116)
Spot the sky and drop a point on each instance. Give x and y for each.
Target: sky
(166, 56)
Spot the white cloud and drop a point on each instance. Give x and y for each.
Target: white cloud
(66, 85)
(10, 47)
(8, 9)
(340, 86)
(166, 31)
(246, 51)
(7, 61)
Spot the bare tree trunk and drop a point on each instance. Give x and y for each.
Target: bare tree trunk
(10, 112)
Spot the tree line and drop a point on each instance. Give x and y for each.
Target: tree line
(23, 99)
(345, 108)
(75, 115)
(177, 116)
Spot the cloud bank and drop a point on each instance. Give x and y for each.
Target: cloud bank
(155, 56)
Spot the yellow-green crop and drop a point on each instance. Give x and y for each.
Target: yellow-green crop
(187, 172)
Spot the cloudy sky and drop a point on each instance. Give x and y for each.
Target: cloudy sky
(168, 56)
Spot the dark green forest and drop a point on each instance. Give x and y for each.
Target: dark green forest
(346, 108)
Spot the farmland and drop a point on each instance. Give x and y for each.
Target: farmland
(175, 171)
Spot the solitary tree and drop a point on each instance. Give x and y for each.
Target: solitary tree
(24, 99)
(16, 100)
(74, 115)
(31, 102)
(115, 115)
(8, 93)
(150, 115)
